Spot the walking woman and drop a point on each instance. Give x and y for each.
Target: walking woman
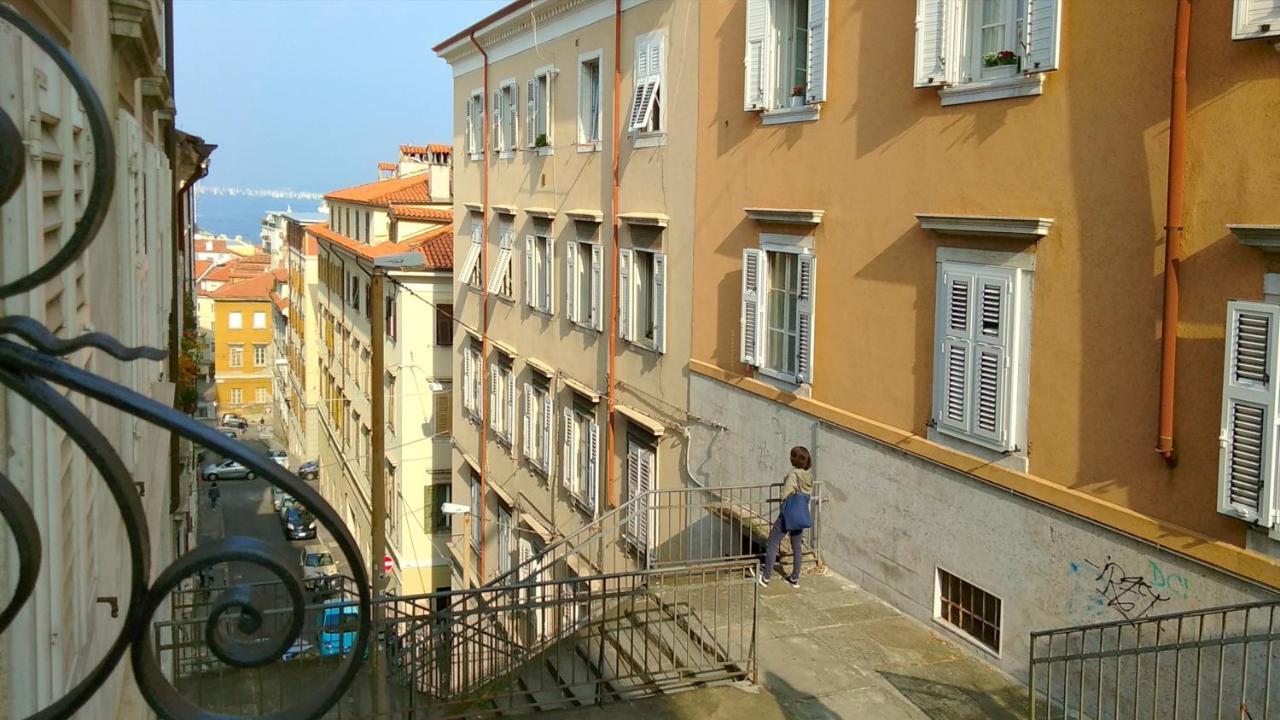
(793, 517)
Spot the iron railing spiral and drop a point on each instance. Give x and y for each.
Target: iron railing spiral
(31, 366)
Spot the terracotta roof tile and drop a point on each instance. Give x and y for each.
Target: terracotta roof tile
(430, 214)
(281, 274)
(437, 258)
(438, 251)
(281, 304)
(426, 149)
(386, 166)
(255, 288)
(412, 189)
(202, 267)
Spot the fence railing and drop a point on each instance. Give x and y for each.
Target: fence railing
(1217, 663)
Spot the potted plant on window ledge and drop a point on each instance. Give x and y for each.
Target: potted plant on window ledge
(1005, 60)
(797, 96)
(541, 141)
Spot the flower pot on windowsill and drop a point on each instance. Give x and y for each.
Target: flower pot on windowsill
(797, 101)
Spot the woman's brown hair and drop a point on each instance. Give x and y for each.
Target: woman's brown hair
(800, 457)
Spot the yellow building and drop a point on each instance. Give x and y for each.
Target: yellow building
(242, 336)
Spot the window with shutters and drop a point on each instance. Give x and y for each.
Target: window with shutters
(980, 359)
(786, 58)
(505, 119)
(500, 272)
(444, 414)
(977, 50)
(435, 496)
(642, 298)
(235, 356)
(477, 508)
(646, 115)
(539, 424)
(502, 399)
(475, 125)
(444, 324)
(471, 272)
(390, 393)
(580, 459)
(777, 307)
(1248, 434)
(539, 259)
(641, 479)
(1255, 19)
(538, 133)
(584, 284)
(472, 366)
(504, 540)
(589, 101)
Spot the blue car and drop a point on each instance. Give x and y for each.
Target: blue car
(339, 628)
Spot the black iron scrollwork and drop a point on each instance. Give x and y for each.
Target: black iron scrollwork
(31, 366)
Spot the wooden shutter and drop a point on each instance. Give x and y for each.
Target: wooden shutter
(955, 349)
(548, 432)
(818, 12)
(566, 457)
(549, 267)
(444, 413)
(531, 113)
(804, 320)
(468, 372)
(1247, 437)
(593, 467)
(502, 266)
(648, 76)
(514, 140)
(510, 384)
(1043, 31)
(470, 139)
(625, 299)
(495, 121)
(989, 376)
(525, 550)
(493, 396)
(755, 61)
(571, 281)
(633, 491)
(932, 35)
(473, 252)
(530, 282)
(597, 285)
(752, 320)
(1255, 18)
(646, 505)
(660, 302)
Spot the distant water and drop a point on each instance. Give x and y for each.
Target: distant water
(242, 215)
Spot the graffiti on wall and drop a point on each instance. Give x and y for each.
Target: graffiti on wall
(1105, 589)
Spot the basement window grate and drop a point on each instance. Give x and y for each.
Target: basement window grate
(970, 609)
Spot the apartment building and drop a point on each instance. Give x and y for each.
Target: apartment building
(573, 382)
(300, 384)
(395, 217)
(242, 339)
(930, 247)
(129, 284)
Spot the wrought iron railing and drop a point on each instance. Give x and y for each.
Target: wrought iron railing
(32, 367)
(1222, 662)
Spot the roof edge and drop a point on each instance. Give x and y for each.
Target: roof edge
(481, 24)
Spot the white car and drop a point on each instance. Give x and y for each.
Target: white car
(281, 457)
(319, 570)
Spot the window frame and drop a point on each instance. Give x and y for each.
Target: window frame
(235, 320)
(540, 282)
(237, 396)
(802, 246)
(630, 293)
(506, 119)
(541, 104)
(654, 133)
(574, 300)
(444, 319)
(475, 119)
(259, 349)
(585, 142)
(235, 355)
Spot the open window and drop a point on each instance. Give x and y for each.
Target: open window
(777, 308)
(539, 423)
(646, 113)
(539, 273)
(642, 298)
(786, 61)
(589, 79)
(1247, 437)
(584, 284)
(475, 125)
(580, 460)
(538, 120)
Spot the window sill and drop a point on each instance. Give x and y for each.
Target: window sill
(588, 147)
(543, 151)
(585, 326)
(507, 154)
(641, 345)
(475, 156)
(580, 502)
(1013, 460)
(982, 91)
(786, 383)
(541, 311)
(648, 140)
(782, 116)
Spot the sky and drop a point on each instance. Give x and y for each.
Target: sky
(310, 95)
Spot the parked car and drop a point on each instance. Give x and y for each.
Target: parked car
(287, 503)
(299, 648)
(227, 470)
(339, 625)
(235, 421)
(280, 499)
(309, 470)
(280, 456)
(299, 524)
(319, 570)
(233, 433)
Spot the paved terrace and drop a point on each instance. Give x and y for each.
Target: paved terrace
(832, 650)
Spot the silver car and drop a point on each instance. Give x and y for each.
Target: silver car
(227, 470)
(319, 570)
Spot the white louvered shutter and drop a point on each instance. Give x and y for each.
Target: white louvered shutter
(531, 113)
(1043, 32)
(593, 467)
(1255, 18)
(955, 350)
(755, 61)
(625, 259)
(571, 281)
(525, 550)
(494, 410)
(513, 140)
(530, 282)
(468, 387)
(549, 267)
(473, 252)
(818, 12)
(753, 272)
(470, 137)
(527, 430)
(597, 286)
(660, 302)
(1247, 463)
(645, 506)
(548, 433)
(495, 122)
(648, 76)
(932, 40)
(989, 376)
(804, 320)
(510, 384)
(634, 511)
(567, 462)
(502, 266)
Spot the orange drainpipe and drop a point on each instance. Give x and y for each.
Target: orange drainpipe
(484, 314)
(1173, 231)
(613, 311)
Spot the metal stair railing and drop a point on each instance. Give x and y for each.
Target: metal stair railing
(1216, 662)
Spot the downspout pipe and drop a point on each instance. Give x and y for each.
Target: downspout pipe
(1173, 231)
(611, 440)
(484, 315)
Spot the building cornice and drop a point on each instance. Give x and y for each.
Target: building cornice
(1014, 228)
(786, 216)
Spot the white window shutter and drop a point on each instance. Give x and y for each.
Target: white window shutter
(473, 253)
(1255, 18)
(514, 110)
(932, 35)
(495, 122)
(955, 334)
(549, 267)
(1247, 464)
(502, 266)
(468, 371)
(566, 457)
(531, 113)
(642, 103)
(530, 283)
(645, 507)
(660, 302)
(804, 320)
(593, 467)
(470, 139)
(1043, 32)
(755, 61)
(597, 286)
(753, 272)
(509, 382)
(527, 431)
(633, 491)
(525, 550)
(625, 258)
(989, 375)
(571, 281)
(548, 432)
(493, 396)
(818, 12)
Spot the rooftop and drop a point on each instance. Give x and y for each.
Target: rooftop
(426, 149)
(258, 287)
(436, 245)
(428, 214)
(411, 189)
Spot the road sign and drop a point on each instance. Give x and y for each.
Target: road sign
(388, 564)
